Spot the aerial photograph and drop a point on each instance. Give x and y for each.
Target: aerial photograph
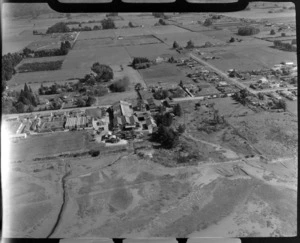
(149, 124)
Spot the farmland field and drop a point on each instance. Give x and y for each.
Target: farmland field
(166, 74)
(238, 57)
(125, 41)
(149, 51)
(86, 35)
(199, 39)
(84, 59)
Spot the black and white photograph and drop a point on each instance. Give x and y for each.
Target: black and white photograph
(149, 125)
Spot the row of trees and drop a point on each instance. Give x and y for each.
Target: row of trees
(62, 27)
(86, 101)
(40, 66)
(284, 45)
(9, 61)
(64, 49)
(248, 30)
(140, 62)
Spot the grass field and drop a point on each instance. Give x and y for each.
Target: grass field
(238, 56)
(182, 38)
(109, 42)
(150, 51)
(86, 35)
(50, 144)
(84, 59)
(45, 76)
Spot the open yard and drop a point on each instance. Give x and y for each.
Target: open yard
(164, 73)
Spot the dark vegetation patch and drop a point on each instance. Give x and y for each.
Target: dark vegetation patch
(40, 66)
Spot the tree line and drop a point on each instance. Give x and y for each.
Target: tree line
(40, 66)
(62, 27)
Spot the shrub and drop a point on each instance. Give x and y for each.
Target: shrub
(108, 24)
(94, 153)
(104, 72)
(272, 32)
(248, 30)
(190, 44)
(162, 22)
(283, 34)
(120, 85)
(207, 22)
(232, 40)
(175, 45)
(158, 15)
(60, 27)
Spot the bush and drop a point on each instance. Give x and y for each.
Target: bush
(108, 24)
(175, 45)
(40, 66)
(100, 91)
(248, 30)
(162, 22)
(104, 72)
(232, 40)
(208, 22)
(283, 34)
(158, 15)
(120, 85)
(190, 44)
(272, 32)
(60, 27)
(161, 94)
(94, 153)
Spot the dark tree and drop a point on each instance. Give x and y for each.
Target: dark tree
(248, 30)
(120, 85)
(272, 32)
(207, 22)
(166, 136)
(175, 45)
(90, 101)
(190, 44)
(177, 110)
(108, 24)
(104, 72)
(80, 102)
(60, 27)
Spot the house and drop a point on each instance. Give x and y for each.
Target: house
(125, 122)
(122, 108)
